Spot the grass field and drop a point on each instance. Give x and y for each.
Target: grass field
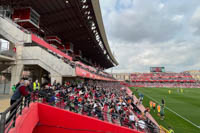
(186, 105)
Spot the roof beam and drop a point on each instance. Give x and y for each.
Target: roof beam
(76, 36)
(61, 21)
(53, 13)
(71, 31)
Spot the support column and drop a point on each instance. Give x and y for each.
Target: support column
(16, 70)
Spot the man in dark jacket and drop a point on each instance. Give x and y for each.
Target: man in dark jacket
(21, 90)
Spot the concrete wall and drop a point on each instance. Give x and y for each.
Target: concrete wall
(36, 55)
(12, 32)
(31, 55)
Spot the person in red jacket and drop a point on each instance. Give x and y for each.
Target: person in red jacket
(21, 90)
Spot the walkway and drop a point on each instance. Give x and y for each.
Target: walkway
(4, 102)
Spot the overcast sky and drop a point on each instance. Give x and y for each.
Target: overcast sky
(144, 33)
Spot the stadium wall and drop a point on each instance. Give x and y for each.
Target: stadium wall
(40, 118)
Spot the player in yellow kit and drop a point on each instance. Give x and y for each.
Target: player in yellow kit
(169, 91)
(181, 90)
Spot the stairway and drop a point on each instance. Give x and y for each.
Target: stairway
(12, 32)
(35, 55)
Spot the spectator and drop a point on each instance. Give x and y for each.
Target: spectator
(21, 90)
(20, 82)
(30, 87)
(132, 120)
(14, 88)
(146, 110)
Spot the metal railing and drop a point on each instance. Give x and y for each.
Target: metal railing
(8, 117)
(149, 127)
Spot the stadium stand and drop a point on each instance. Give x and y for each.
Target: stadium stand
(106, 101)
(85, 48)
(184, 80)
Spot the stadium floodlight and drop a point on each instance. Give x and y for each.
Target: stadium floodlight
(83, 1)
(94, 31)
(86, 12)
(84, 6)
(97, 36)
(89, 17)
(93, 28)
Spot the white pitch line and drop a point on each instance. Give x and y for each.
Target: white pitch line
(175, 113)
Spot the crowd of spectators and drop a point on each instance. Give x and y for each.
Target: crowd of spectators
(171, 80)
(166, 84)
(161, 76)
(107, 101)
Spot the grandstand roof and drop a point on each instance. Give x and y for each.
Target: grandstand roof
(76, 21)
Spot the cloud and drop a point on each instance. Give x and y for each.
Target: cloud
(141, 22)
(173, 56)
(145, 33)
(178, 18)
(161, 6)
(195, 21)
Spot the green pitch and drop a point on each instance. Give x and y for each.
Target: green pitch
(182, 111)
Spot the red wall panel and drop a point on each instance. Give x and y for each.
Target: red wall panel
(54, 120)
(27, 121)
(48, 46)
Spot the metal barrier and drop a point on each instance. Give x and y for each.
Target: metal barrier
(149, 126)
(8, 117)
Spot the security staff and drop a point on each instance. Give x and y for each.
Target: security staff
(36, 85)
